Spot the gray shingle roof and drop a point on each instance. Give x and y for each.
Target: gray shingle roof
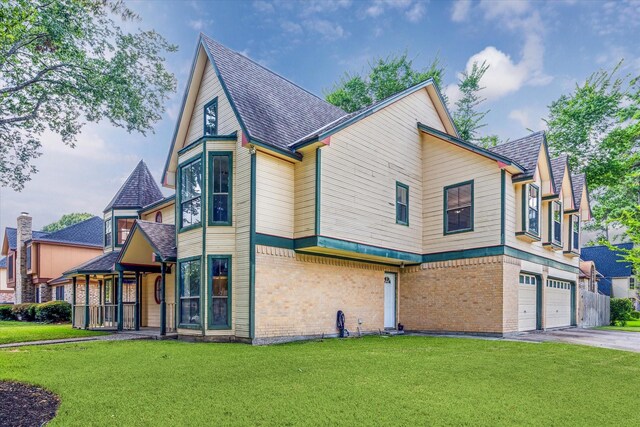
(139, 190)
(102, 263)
(578, 182)
(274, 110)
(161, 236)
(558, 166)
(88, 232)
(525, 151)
(12, 236)
(609, 263)
(3, 262)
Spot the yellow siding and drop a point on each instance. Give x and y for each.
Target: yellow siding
(168, 214)
(359, 171)
(446, 164)
(274, 196)
(304, 195)
(151, 309)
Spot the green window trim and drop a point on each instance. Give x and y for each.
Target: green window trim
(210, 296)
(399, 205)
(525, 212)
(555, 236)
(114, 223)
(574, 235)
(108, 231)
(210, 210)
(181, 167)
(445, 222)
(213, 104)
(179, 323)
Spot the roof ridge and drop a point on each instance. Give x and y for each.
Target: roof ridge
(269, 70)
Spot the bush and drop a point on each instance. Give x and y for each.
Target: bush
(635, 315)
(621, 309)
(25, 312)
(6, 313)
(53, 312)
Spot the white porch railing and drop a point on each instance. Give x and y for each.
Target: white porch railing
(171, 316)
(78, 317)
(129, 316)
(103, 316)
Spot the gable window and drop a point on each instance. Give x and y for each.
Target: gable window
(575, 233)
(220, 291)
(556, 223)
(189, 282)
(402, 204)
(108, 230)
(211, 117)
(60, 293)
(28, 252)
(10, 266)
(220, 169)
(532, 206)
(159, 217)
(191, 194)
(123, 227)
(458, 205)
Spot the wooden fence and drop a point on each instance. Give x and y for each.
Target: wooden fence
(593, 310)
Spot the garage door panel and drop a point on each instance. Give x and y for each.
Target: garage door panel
(527, 298)
(557, 304)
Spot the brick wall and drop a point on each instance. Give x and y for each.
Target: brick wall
(6, 297)
(511, 277)
(299, 295)
(465, 295)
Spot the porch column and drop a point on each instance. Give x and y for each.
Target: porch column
(73, 300)
(120, 304)
(137, 312)
(86, 301)
(163, 305)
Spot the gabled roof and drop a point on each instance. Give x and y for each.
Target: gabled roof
(609, 263)
(161, 238)
(558, 167)
(578, 183)
(3, 262)
(274, 110)
(525, 151)
(104, 263)
(11, 235)
(88, 232)
(139, 190)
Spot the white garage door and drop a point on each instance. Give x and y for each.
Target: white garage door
(527, 302)
(557, 306)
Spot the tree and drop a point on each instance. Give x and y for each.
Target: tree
(466, 116)
(598, 126)
(66, 220)
(64, 62)
(386, 77)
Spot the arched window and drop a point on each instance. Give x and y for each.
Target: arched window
(159, 217)
(156, 289)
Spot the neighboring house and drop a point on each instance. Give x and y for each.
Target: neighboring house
(6, 294)
(288, 209)
(589, 276)
(619, 279)
(36, 260)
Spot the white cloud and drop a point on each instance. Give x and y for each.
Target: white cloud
(413, 10)
(313, 7)
(328, 30)
(416, 12)
(522, 117)
(504, 9)
(460, 10)
(291, 27)
(263, 6)
(528, 119)
(200, 24)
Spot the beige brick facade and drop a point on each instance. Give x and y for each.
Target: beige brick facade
(299, 295)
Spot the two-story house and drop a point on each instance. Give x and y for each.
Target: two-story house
(36, 259)
(288, 209)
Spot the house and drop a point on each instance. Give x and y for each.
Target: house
(287, 209)
(36, 259)
(589, 276)
(619, 279)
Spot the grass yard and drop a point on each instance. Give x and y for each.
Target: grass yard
(11, 332)
(374, 380)
(632, 326)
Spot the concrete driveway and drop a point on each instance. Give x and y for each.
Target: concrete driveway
(617, 340)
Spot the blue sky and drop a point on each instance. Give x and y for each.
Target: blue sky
(536, 52)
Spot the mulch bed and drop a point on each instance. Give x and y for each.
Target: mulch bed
(24, 405)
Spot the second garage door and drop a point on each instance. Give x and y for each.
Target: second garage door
(557, 306)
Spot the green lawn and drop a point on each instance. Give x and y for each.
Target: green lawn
(25, 331)
(632, 326)
(374, 380)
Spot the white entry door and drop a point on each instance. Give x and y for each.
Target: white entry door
(389, 300)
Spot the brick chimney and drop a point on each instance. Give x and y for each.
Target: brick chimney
(24, 288)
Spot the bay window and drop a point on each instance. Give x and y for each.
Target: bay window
(220, 177)
(532, 209)
(189, 283)
(575, 233)
(108, 230)
(220, 291)
(123, 227)
(555, 229)
(190, 194)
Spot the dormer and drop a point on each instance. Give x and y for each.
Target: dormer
(561, 221)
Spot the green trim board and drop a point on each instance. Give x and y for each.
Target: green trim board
(503, 197)
(280, 151)
(114, 223)
(345, 245)
(203, 139)
(213, 103)
(468, 146)
(203, 215)
(400, 185)
(181, 166)
(252, 248)
(274, 241)
(155, 205)
(445, 222)
(179, 294)
(210, 324)
(229, 156)
(318, 189)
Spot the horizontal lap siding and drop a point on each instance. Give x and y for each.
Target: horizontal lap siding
(150, 309)
(359, 171)
(274, 196)
(304, 195)
(168, 214)
(446, 164)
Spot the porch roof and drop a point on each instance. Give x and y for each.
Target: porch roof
(146, 237)
(102, 264)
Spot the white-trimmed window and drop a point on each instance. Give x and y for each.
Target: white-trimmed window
(532, 207)
(528, 279)
(556, 223)
(108, 232)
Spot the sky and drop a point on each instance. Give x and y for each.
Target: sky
(536, 51)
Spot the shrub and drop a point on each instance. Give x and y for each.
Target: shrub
(25, 312)
(621, 309)
(6, 313)
(53, 312)
(635, 315)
